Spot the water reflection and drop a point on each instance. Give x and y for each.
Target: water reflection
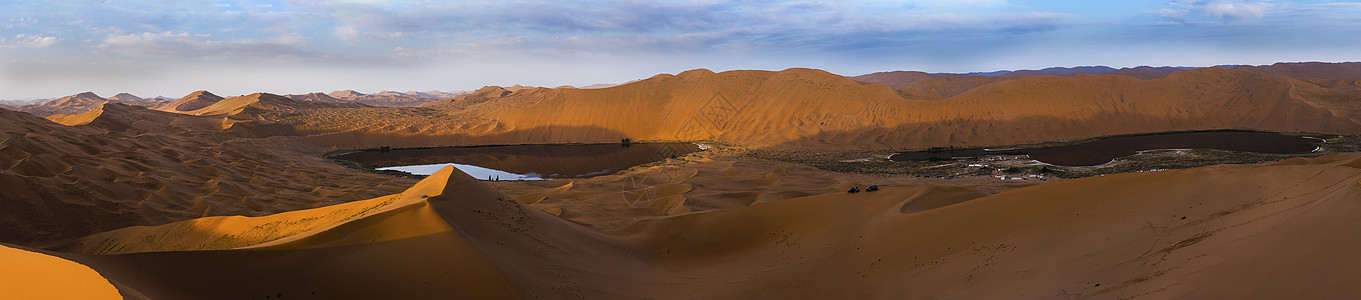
(523, 162)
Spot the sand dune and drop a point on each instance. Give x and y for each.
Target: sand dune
(390, 98)
(811, 109)
(32, 275)
(132, 166)
(923, 86)
(1151, 234)
(816, 109)
(227, 198)
(83, 102)
(125, 97)
(192, 101)
(1319, 70)
(315, 97)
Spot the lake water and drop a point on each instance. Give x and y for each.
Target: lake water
(523, 162)
(1104, 150)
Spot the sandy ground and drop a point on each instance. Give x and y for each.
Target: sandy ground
(1212, 232)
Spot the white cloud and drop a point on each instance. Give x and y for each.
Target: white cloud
(1170, 12)
(182, 44)
(1218, 9)
(1235, 10)
(346, 33)
(29, 41)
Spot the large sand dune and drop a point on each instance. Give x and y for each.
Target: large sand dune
(811, 109)
(1213, 232)
(191, 102)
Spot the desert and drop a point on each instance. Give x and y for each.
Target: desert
(660, 150)
(233, 197)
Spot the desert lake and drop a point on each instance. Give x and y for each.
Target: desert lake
(522, 162)
(1103, 150)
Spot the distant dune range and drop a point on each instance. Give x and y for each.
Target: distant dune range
(811, 109)
(79, 103)
(208, 197)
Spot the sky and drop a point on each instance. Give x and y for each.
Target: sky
(50, 49)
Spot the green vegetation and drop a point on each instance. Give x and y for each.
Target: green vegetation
(876, 162)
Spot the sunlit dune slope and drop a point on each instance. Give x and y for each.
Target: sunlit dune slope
(1251, 231)
(33, 275)
(923, 86)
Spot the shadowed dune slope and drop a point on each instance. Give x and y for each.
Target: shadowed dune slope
(132, 166)
(1213, 232)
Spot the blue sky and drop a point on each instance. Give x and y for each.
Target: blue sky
(173, 47)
